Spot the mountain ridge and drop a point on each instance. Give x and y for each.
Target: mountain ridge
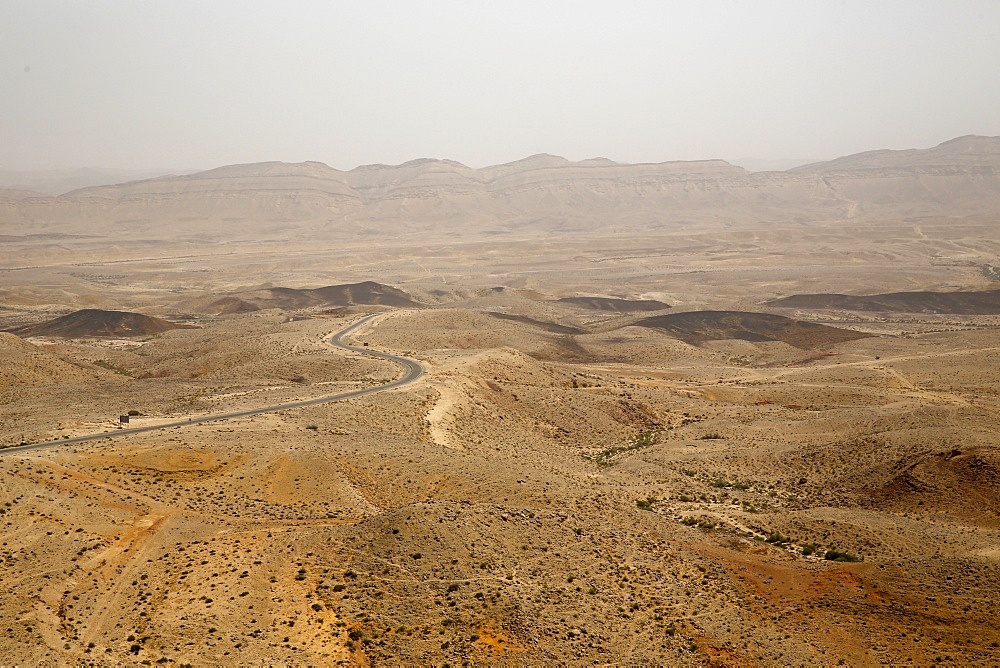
(968, 145)
(309, 199)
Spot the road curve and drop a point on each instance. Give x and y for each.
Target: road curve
(412, 371)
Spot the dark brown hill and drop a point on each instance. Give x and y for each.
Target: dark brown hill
(230, 305)
(698, 327)
(986, 302)
(287, 299)
(366, 293)
(614, 304)
(553, 327)
(96, 322)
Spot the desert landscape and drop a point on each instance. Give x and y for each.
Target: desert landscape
(669, 414)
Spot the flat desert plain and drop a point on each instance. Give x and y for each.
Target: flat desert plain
(651, 428)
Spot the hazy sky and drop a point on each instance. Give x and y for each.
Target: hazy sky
(199, 84)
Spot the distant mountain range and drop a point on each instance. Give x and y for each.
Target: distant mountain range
(59, 181)
(545, 193)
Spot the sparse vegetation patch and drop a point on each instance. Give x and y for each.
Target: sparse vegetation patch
(642, 440)
(104, 364)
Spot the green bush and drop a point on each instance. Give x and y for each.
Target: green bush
(837, 555)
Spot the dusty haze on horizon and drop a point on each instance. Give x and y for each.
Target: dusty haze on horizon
(187, 85)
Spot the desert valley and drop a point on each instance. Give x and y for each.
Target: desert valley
(669, 414)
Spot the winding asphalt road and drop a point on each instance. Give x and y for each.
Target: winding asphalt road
(412, 371)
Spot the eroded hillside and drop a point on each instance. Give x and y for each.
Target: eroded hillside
(513, 508)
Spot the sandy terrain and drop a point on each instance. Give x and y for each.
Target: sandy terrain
(567, 485)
